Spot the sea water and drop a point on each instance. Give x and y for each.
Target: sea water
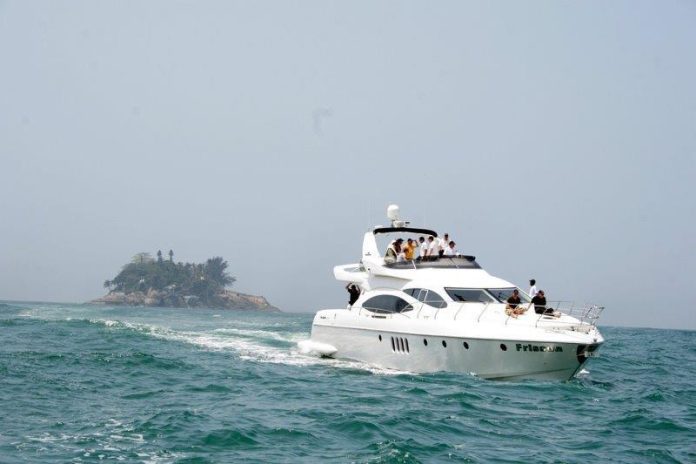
(96, 384)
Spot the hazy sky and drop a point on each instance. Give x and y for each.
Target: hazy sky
(554, 140)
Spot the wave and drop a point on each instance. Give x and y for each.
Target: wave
(111, 440)
(7, 306)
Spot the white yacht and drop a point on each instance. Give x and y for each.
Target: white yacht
(446, 313)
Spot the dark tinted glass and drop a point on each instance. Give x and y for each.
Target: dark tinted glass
(502, 294)
(469, 295)
(428, 297)
(445, 262)
(387, 304)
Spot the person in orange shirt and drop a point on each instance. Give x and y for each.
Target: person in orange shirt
(410, 249)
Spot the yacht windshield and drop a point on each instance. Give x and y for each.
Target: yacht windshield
(502, 294)
(445, 262)
(428, 297)
(470, 295)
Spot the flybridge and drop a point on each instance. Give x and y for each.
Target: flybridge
(373, 257)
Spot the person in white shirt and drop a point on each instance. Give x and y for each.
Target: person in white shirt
(443, 244)
(423, 248)
(433, 248)
(533, 289)
(451, 250)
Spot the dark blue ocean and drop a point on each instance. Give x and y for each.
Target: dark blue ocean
(82, 384)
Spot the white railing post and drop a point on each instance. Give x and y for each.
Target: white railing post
(536, 324)
(483, 311)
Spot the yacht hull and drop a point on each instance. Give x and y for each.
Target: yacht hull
(503, 359)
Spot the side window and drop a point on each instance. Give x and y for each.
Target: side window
(428, 297)
(387, 304)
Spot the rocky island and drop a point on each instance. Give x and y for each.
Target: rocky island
(146, 281)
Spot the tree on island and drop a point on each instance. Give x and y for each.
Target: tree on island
(216, 270)
(174, 282)
(142, 257)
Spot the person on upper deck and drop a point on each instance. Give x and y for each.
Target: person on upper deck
(410, 249)
(393, 251)
(433, 248)
(533, 288)
(422, 248)
(451, 250)
(443, 243)
(401, 255)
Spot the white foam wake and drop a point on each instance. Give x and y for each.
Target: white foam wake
(245, 344)
(315, 348)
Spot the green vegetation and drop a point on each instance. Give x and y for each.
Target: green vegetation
(203, 283)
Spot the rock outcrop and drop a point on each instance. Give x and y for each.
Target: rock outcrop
(226, 299)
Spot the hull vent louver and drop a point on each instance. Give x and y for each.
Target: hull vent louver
(400, 345)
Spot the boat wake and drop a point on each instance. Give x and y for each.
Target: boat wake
(254, 345)
(316, 349)
(271, 342)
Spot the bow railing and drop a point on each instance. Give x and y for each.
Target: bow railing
(585, 313)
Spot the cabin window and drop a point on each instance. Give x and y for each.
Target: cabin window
(469, 295)
(428, 297)
(387, 304)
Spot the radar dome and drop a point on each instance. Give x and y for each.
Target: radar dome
(393, 212)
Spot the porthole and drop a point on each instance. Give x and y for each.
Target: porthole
(407, 348)
(425, 342)
(466, 345)
(444, 344)
(503, 347)
(393, 346)
(380, 338)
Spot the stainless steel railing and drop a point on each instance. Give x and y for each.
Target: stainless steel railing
(585, 313)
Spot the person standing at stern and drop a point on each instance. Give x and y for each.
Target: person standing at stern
(354, 292)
